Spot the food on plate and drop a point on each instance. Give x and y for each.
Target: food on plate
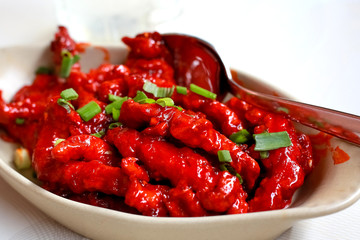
(127, 137)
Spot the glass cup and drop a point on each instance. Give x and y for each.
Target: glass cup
(105, 21)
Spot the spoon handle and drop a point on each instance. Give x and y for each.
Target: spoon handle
(342, 125)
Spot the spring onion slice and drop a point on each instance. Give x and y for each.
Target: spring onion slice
(224, 156)
(270, 141)
(99, 134)
(113, 98)
(69, 94)
(179, 108)
(158, 91)
(19, 121)
(147, 100)
(89, 111)
(264, 154)
(140, 95)
(67, 62)
(115, 114)
(65, 104)
(59, 140)
(165, 102)
(115, 125)
(231, 170)
(181, 90)
(283, 109)
(202, 91)
(116, 104)
(241, 136)
(22, 158)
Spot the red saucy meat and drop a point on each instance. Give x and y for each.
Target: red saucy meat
(127, 137)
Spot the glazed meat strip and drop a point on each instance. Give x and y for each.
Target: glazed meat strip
(216, 191)
(285, 167)
(192, 131)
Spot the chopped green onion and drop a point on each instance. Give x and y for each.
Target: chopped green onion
(147, 100)
(241, 136)
(165, 102)
(44, 70)
(67, 62)
(65, 104)
(22, 158)
(69, 94)
(140, 95)
(179, 108)
(264, 154)
(116, 104)
(283, 109)
(115, 114)
(224, 156)
(115, 125)
(65, 68)
(181, 90)
(99, 134)
(202, 91)
(158, 91)
(113, 98)
(19, 121)
(270, 141)
(76, 58)
(59, 140)
(89, 111)
(231, 170)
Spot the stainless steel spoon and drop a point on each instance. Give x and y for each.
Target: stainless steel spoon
(197, 61)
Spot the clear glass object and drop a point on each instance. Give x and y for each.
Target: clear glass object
(105, 21)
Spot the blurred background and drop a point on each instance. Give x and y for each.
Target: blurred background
(307, 48)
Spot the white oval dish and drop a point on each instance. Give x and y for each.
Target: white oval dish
(330, 188)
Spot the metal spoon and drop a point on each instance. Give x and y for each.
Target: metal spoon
(197, 61)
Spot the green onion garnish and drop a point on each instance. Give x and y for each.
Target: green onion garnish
(69, 94)
(181, 90)
(264, 154)
(65, 104)
(59, 140)
(115, 114)
(89, 111)
(116, 104)
(19, 121)
(224, 156)
(147, 100)
(115, 125)
(140, 95)
(99, 134)
(241, 136)
(44, 70)
(202, 91)
(270, 141)
(231, 170)
(179, 108)
(67, 62)
(113, 98)
(165, 102)
(283, 109)
(158, 91)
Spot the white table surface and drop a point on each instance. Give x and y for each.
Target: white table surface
(309, 49)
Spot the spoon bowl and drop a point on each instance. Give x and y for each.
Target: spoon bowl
(197, 61)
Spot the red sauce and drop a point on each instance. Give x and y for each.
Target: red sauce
(162, 160)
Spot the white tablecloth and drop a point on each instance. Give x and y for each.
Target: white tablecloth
(309, 49)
